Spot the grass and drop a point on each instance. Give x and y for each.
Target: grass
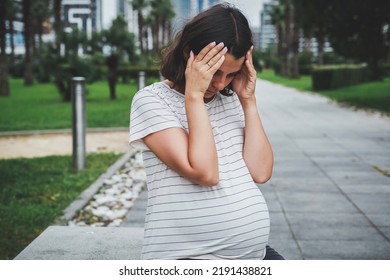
(34, 193)
(303, 83)
(39, 107)
(372, 95)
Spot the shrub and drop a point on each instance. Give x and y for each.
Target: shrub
(386, 69)
(336, 76)
(16, 69)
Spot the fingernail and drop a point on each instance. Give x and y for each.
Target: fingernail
(212, 43)
(221, 44)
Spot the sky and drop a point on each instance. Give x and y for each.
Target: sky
(251, 9)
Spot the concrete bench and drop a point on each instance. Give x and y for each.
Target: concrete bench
(85, 243)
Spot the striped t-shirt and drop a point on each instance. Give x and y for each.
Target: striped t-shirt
(186, 220)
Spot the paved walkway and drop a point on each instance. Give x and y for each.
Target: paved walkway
(329, 197)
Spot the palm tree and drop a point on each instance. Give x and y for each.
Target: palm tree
(162, 13)
(277, 20)
(39, 13)
(140, 6)
(167, 13)
(310, 16)
(11, 12)
(28, 39)
(121, 41)
(282, 16)
(4, 85)
(57, 4)
(57, 21)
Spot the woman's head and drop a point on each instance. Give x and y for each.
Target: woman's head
(221, 23)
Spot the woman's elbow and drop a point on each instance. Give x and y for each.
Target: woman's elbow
(210, 182)
(262, 178)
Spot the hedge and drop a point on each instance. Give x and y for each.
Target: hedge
(336, 76)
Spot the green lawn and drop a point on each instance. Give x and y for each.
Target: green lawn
(34, 192)
(373, 95)
(303, 83)
(40, 107)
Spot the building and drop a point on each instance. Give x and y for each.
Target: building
(97, 15)
(267, 35)
(94, 15)
(186, 9)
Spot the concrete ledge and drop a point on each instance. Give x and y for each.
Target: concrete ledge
(85, 243)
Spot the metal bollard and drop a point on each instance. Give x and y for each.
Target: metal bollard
(141, 79)
(78, 122)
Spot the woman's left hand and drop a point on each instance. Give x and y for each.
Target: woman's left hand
(244, 83)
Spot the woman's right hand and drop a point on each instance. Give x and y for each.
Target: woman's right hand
(201, 68)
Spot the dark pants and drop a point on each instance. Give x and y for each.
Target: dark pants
(271, 254)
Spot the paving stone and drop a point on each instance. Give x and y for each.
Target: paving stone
(302, 184)
(344, 250)
(372, 203)
(315, 202)
(379, 219)
(385, 231)
(337, 233)
(331, 219)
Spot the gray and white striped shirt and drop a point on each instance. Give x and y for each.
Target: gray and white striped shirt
(183, 219)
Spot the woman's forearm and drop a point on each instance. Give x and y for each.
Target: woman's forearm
(257, 150)
(202, 152)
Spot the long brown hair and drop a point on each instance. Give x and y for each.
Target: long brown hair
(220, 23)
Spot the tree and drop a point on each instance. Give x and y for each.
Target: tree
(161, 14)
(282, 16)
(4, 85)
(39, 14)
(28, 39)
(10, 15)
(70, 63)
(277, 21)
(122, 43)
(357, 30)
(140, 6)
(57, 15)
(310, 17)
(57, 22)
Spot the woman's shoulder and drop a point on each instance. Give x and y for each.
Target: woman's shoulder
(158, 94)
(157, 90)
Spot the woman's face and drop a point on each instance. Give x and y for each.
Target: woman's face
(224, 75)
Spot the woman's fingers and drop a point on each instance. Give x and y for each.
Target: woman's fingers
(214, 60)
(250, 55)
(213, 53)
(210, 55)
(205, 50)
(190, 59)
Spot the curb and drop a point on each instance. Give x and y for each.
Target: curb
(88, 193)
(60, 131)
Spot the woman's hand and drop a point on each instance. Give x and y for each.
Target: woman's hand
(244, 83)
(201, 68)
